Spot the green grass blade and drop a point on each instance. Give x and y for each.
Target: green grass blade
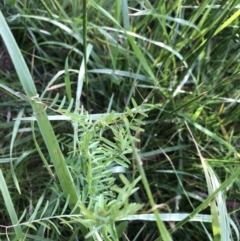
(67, 81)
(162, 228)
(40, 113)
(228, 22)
(217, 206)
(14, 135)
(10, 207)
(40, 152)
(125, 15)
(210, 134)
(210, 198)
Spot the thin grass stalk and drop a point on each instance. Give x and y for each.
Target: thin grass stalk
(161, 226)
(85, 47)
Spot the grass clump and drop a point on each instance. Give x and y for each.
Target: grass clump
(119, 120)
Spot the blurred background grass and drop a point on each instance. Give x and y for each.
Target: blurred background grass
(179, 56)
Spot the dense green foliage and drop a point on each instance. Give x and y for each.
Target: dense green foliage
(119, 120)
